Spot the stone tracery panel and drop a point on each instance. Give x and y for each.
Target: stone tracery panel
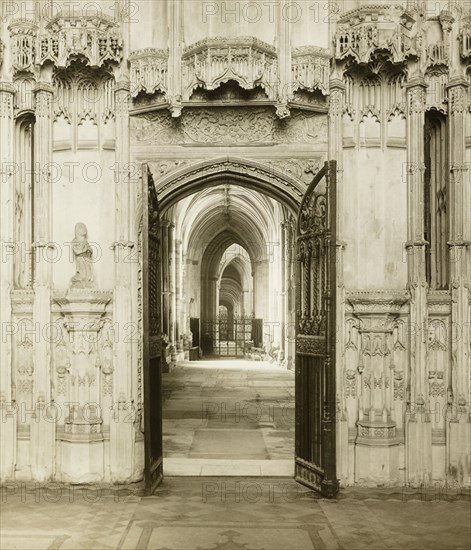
(83, 103)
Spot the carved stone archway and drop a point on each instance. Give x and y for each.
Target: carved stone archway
(236, 171)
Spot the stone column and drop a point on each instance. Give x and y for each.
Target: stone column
(336, 104)
(459, 419)
(284, 59)
(418, 430)
(7, 259)
(172, 283)
(175, 57)
(121, 429)
(179, 326)
(283, 271)
(42, 426)
(165, 278)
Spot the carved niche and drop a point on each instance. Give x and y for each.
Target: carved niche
(246, 60)
(96, 39)
(149, 71)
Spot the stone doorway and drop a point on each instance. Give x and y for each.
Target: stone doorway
(199, 222)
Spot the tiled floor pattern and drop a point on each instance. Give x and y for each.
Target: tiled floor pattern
(228, 418)
(231, 514)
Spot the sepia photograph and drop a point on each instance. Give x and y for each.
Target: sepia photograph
(235, 274)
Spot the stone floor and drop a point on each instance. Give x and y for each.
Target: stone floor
(228, 418)
(224, 419)
(230, 514)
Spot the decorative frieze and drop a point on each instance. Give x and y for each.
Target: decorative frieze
(310, 69)
(228, 125)
(23, 45)
(212, 61)
(149, 71)
(95, 39)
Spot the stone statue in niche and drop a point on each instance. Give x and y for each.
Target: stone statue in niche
(83, 255)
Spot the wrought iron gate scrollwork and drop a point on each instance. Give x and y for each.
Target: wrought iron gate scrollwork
(315, 335)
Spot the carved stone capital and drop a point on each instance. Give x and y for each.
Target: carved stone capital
(458, 96)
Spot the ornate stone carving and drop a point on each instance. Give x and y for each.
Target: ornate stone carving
(336, 102)
(95, 39)
(301, 169)
(364, 301)
(23, 44)
(149, 71)
(23, 359)
(227, 166)
(437, 54)
(310, 69)
(437, 335)
(228, 126)
(44, 97)
(83, 255)
(384, 432)
(398, 385)
(416, 99)
(368, 30)
(164, 167)
(436, 384)
(436, 93)
(6, 102)
(212, 61)
(350, 383)
(82, 313)
(83, 96)
(458, 101)
(465, 38)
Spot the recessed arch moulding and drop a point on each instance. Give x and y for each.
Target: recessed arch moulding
(224, 227)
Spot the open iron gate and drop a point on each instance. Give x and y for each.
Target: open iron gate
(315, 461)
(152, 348)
